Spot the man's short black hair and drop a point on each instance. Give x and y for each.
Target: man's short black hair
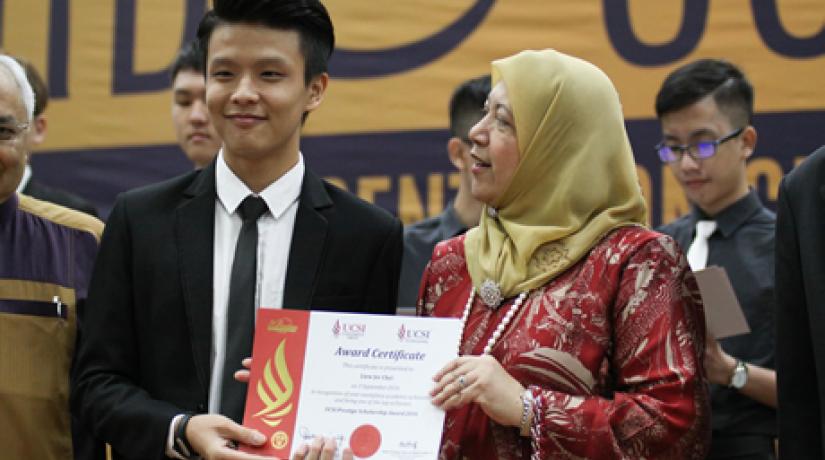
(190, 57)
(307, 17)
(466, 105)
(688, 84)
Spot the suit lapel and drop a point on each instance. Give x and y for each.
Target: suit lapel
(308, 241)
(194, 231)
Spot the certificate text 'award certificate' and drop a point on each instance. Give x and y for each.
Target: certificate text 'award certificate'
(362, 379)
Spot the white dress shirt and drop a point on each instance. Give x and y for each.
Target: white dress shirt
(274, 240)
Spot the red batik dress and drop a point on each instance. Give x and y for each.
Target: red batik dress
(611, 350)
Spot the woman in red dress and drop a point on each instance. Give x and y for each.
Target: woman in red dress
(583, 330)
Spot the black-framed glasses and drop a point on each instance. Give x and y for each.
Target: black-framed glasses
(697, 151)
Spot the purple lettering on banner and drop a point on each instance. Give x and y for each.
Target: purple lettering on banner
(347, 63)
(58, 76)
(627, 43)
(773, 33)
(124, 78)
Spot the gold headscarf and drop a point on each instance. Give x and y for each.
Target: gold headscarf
(576, 179)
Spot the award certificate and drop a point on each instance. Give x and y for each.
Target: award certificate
(361, 379)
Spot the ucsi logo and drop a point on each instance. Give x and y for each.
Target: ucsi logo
(348, 330)
(413, 335)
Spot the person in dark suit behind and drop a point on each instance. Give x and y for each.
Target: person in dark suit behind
(800, 310)
(195, 134)
(466, 108)
(180, 271)
(34, 137)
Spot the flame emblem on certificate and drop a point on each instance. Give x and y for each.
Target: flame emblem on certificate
(275, 388)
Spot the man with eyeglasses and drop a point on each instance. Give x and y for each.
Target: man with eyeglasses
(705, 109)
(46, 257)
(463, 212)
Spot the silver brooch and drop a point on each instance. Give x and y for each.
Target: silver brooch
(491, 211)
(490, 293)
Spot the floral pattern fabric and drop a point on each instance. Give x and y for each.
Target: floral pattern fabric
(611, 351)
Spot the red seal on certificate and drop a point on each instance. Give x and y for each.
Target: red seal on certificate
(365, 441)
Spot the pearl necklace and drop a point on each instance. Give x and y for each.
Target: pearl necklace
(501, 326)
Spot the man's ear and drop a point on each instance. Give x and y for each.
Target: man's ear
(39, 127)
(749, 141)
(455, 150)
(317, 89)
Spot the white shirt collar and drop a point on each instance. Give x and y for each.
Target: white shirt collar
(27, 175)
(278, 195)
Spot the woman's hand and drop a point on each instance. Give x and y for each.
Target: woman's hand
(320, 449)
(482, 380)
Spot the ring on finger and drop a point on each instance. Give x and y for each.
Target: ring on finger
(462, 381)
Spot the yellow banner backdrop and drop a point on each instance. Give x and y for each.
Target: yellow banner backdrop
(398, 61)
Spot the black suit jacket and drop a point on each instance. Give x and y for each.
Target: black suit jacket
(145, 352)
(43, 192)
(800, 315)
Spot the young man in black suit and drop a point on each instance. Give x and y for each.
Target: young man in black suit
(800, 310)
(181, 272)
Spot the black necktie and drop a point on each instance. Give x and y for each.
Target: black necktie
(240, 326)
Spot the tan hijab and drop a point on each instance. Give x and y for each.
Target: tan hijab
(576, 179)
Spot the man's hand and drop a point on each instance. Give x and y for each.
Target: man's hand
(243, 374)
(719, 366)
(320, 449)
(214, 437)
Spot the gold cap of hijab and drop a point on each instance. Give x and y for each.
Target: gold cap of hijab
(576, 179)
